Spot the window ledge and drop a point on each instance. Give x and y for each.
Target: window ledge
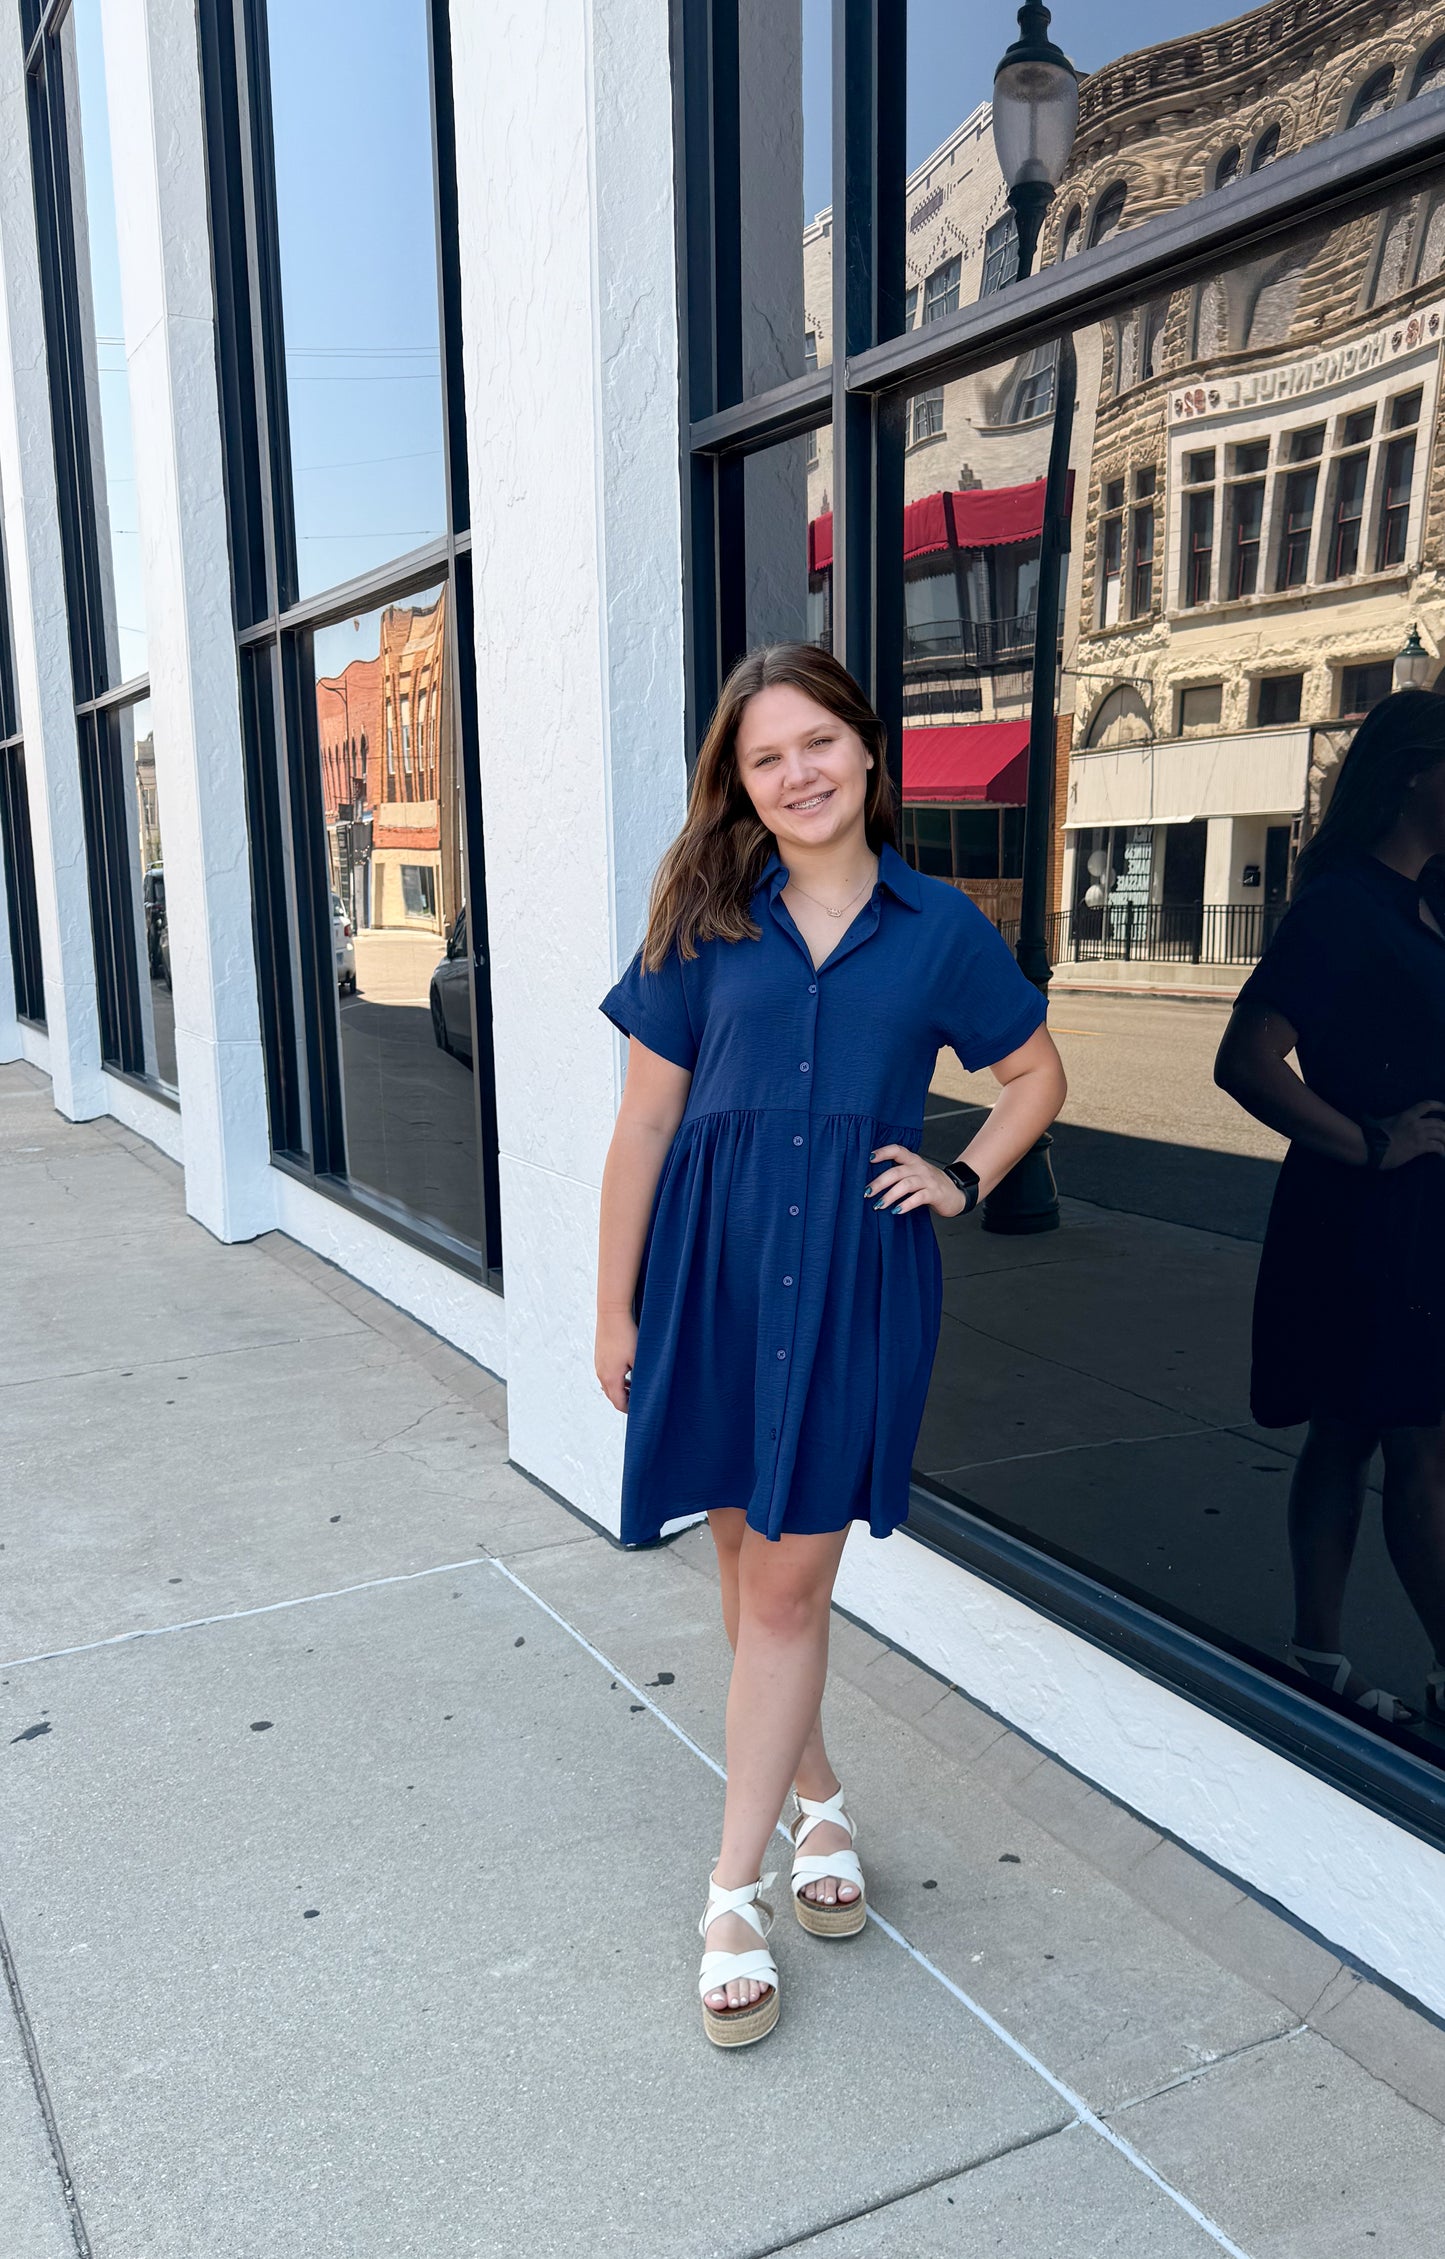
(1278, 599)
(930, 439)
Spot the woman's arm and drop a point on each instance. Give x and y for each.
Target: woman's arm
(1253, 1066)
(1034, 1089)
(652, 1106)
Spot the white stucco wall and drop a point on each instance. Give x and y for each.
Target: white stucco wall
(565, 211)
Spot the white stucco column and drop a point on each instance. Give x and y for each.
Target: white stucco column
(154, 99)
(1219, 859)
(568, 289)
(43, 683)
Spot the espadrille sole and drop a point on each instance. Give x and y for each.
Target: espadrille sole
(831, 1921)
(739, 2027)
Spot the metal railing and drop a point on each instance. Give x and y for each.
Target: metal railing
(1170, 933)
(979, 643)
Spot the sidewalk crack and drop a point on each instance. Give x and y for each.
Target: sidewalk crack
(79, 2235)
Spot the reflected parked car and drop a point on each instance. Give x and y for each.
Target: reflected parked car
(343, 946)
(451, 995)
(158, 939)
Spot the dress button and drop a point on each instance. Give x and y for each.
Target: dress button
(782, 1352)
(802, 1066)
(787, 1281)
(812, 988)
(792, 1211)
(797, 1141)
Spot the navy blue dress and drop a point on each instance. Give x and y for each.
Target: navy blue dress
(1349, 1311)
(786, 1328)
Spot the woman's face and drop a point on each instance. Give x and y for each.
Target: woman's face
(804, 770)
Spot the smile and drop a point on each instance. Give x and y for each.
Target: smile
(804, 807)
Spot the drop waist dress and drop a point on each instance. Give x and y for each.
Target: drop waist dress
(1349, 1312)
(786, 1328)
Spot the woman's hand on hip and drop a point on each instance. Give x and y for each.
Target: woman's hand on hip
(902, 1181)
(1419, 1130)
(616, 1348)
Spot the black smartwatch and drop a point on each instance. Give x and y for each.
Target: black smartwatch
(1377, 1141)
(966, 1179)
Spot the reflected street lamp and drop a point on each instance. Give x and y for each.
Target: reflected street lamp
(1412, 663)
(1035, 118)
(1035, 115)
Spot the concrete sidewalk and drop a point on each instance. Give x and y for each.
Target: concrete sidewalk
(358, 1806)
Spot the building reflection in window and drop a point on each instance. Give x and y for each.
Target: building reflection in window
(136, 747)
(387, 746)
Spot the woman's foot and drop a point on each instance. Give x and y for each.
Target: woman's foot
(1335, 1672)
(738, 1979)
(731, 1934)
(827, 1881)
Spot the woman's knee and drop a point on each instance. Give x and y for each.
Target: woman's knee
(727, 1524)
(785, 1588)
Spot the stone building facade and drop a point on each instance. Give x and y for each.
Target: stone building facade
(1260, 522)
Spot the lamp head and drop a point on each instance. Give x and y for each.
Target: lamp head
(1412, 663)
(1035, 105)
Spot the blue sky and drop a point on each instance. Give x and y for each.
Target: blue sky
(953, 49)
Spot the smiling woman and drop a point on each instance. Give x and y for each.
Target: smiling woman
(769, 1284)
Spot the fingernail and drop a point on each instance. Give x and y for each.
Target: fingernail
(896, 1211)
(879, 1206)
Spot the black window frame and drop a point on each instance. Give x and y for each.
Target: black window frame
(876, 363)
(16, 841)
(275, 628)
(101, 695)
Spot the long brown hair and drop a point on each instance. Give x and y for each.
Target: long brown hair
(706, 879)
(1397, 740)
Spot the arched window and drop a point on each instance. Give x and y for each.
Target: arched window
(1266, 149)
(1151, 344)
(1429, 71)
(1122, 719)
(1108, 214)
(1073, 229)
(1227, 168)
(1373, 98)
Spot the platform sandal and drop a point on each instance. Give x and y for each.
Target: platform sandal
(1310, 1661)
(739, 2027)
(843, 1920)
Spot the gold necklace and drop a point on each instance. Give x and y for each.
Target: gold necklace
(827, 907)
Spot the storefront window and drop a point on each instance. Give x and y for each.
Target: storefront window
(359, 701)
(15, 839)
(100, 528)
(1252, 520)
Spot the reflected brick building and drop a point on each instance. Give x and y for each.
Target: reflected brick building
(386, 731)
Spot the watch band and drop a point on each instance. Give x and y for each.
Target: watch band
(959, 1173)
(1377, 1141)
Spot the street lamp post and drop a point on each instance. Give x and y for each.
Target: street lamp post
(1035, 115)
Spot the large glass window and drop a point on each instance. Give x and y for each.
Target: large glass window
(91, 415)
(347, 480)
(1094, 1419)
(15, 840)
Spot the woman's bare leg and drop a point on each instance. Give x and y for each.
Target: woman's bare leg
(784, 1591)
(1415, 1522)
(814, 1776)
(1326, 1500)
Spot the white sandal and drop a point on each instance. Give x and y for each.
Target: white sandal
(738, 2027)
(1375, 1699)
(844, 1919)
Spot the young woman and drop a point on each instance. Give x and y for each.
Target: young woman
(769, 1285)
(1349, 1316)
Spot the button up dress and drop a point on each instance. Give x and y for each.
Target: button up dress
(786, 1328)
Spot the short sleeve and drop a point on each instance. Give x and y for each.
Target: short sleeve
(1312, 962)
(654, 1008)
(986, 1006)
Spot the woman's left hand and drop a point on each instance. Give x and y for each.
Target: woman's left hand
(910, 1182)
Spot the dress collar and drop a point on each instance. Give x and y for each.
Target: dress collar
(900, 879)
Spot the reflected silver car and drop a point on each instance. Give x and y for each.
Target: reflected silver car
(451, 995)
(343, 947)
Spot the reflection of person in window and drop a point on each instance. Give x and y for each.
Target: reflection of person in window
(1349, 1320)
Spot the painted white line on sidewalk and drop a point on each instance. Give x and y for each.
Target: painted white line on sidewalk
(1083, 2115)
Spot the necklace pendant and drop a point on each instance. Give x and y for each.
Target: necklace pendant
(837, 913)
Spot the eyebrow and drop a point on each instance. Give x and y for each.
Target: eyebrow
(817, 730)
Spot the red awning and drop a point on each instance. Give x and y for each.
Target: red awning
(986, 761)
(980, 517)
